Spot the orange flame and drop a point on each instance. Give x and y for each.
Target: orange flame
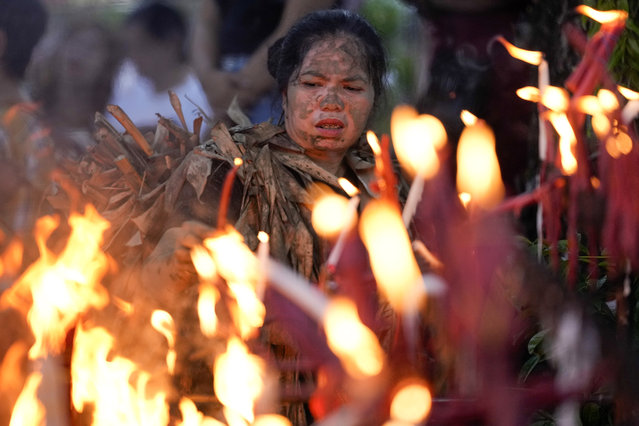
(603, 17)
(567, 142)
(28, 410)
(107, 383)
(468, 118)
(392, 259)
(239, 379)
(631, 95)
(555, 98)
(608, 100)
(163, 323)
(529, 93)
(62, 287)
(478, 171)
(416, 139)
(192, 417)
(532, 57)
(355, 344)
(329, 215)
(412, 402)
(208, 298)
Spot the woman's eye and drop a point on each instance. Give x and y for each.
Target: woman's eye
(311, 84)
(353, 88)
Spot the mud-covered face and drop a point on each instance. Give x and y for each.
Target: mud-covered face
(329, 99)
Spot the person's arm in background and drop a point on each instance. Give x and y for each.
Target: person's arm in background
(253, 80)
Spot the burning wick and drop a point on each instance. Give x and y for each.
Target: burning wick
(417, 139)
(226, 193)
(262, 257)
(350, 214)
(373, 142)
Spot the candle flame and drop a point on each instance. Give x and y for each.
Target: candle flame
(416, 139)
(372, 140)
(601, 125)
(555, 98)
(354, 344)
(567, 141)
(603, 17)
(465, 198)
(529, 93)
(28, 409)
(203, 263)
(234, 261)
(468, 118)
(238, 161)
(412, 402)
(478, 170)
(608, 100)
(631, 95)
(263, 237)
(392, 260)
(589, 104)
(329, 215)
(239, 378)
(271, 420)
(529, 56)
(618, 144)
(163, 323)
(192, 417)
(207, 299)
(348, 187)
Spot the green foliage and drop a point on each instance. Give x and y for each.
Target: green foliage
(624, 62)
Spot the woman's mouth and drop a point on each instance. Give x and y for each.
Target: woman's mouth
(329, 127)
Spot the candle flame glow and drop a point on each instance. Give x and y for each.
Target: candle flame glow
(412, 402)
(348, 187)
(603, 17)
(468, 118)
(239, 378)
(355, 344)
(529, 56)
(392, 260)
(372, 140)
(529, 93)
(329, 215)
(416, 139)
(589, 104)
(478, 170)
(555, 98)
(631, 95)
(207, 299)
(608, 100)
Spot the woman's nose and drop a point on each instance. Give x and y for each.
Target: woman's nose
(331, 100)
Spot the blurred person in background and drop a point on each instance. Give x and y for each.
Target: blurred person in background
(230, 44)
(25, 147)
(72, 77)
(155, 39)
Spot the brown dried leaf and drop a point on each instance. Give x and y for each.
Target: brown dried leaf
(198, 171)
(224, 141)
(305, 165)
(236, 114)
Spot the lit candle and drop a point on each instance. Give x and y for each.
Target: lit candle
(416, 139)
(349, 218)
(262, 258)
(226, 193)
(478, 171)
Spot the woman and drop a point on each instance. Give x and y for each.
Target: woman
(329, 69)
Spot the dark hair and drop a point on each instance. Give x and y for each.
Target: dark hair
(161, 21)
(286, 55)
(23, 23)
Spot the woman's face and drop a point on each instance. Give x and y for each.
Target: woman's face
(329, 99)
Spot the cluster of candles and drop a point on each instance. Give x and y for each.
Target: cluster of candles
(57, 290)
